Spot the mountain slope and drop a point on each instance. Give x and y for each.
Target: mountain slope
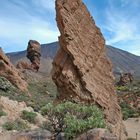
(122, 61)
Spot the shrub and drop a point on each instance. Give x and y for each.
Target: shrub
(72, 118)
(44, 110)
(29, 116)
(128, 111)
(2, 113)
(16, 125)
(122, 88)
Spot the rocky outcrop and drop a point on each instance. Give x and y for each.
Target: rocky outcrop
(23, 65)
(126, 78)
(14, 110)
(81, 70)
(33, 54)
(8, 71)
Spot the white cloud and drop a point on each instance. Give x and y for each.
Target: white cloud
(48, 4)
(20, 25)
(21, 32)
(123, 28)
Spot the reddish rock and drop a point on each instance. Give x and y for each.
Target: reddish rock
(23, 65)
(81, 70)
(33, 54)
(8, 71)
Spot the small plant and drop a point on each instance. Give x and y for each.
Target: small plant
(29, 116)
(122, 88)
(128, 111)
(2, 113)
(44, 110)
(72, 118)
(16, 125)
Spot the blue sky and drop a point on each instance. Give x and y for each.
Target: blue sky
(21, 20)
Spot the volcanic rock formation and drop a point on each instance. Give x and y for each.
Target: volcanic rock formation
(8, 71)
(33, 54)
(81, 69)
(125, 79)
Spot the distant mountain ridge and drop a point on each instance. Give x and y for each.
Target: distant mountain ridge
(122, 61)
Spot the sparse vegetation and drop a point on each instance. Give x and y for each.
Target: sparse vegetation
(29, 116)
(16, 125)
(2, 113)
(5, 85)
(41, 94)
(72, 118)
(128, 111)
(122, 88)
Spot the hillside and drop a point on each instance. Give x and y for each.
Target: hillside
(122, 61)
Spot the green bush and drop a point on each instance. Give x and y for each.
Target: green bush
(16, 125)
(29, 116)
(44, 110)
(128, 111)
(72, 118)
(122, 88)
(2, 113)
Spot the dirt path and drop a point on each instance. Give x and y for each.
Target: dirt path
(132, 127)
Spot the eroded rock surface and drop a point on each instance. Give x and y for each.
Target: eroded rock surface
(81, 69)
(33, 54)
(8, 71)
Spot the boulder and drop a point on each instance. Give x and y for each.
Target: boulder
(8, 71)
(33, 54)
(97, 134)
(81, 69)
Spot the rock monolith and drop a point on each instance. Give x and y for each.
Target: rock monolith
(81, 70)
(34, 54)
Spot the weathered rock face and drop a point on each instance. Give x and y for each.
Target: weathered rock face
(81, 69)
(33, 53)
(8, 71)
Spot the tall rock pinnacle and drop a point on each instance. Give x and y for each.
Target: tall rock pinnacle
(34, 54)
(81, 70)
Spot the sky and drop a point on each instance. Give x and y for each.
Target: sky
(22, 20)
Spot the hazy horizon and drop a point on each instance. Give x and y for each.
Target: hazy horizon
(35, 19)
